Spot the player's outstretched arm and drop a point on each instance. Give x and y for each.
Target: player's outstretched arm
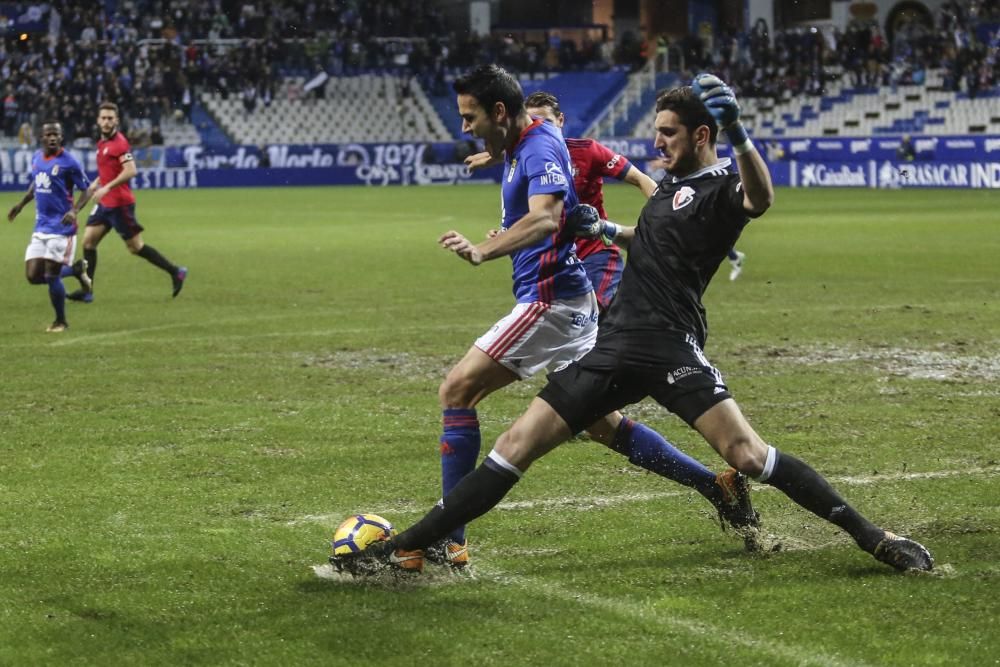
(16, 208)
(585, 222)
(758, 192)
(542, 219)
(640, 180)
(461, 246)
(482, 160)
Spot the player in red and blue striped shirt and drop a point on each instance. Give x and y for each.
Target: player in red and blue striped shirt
(592, 162)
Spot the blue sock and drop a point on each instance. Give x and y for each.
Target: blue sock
(459, 452)
(648, 449)
(66, 271)
(732, 254)
(57, 294)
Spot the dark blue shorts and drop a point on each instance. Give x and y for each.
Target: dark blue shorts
(122, 218)
(605, 272)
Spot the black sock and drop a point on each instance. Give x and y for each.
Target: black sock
(475, 495)
(150, 254)
(808, 488)
(91, 257)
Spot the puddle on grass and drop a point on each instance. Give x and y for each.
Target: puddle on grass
(410, 365)
(947, 362)
(943, 364)
(432, 575)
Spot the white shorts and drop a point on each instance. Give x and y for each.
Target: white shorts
(543, 335)
(55, 247)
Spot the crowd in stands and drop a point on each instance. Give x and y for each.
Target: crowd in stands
(83, 59)
(964, 43)
(153, 56)
(56, 78)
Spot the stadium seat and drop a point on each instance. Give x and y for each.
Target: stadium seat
(357, 108)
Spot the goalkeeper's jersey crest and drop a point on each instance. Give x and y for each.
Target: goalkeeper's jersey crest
(684, 233)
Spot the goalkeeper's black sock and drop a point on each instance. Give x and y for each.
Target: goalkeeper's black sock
(808, 488)
(150, 254)
(475, 495)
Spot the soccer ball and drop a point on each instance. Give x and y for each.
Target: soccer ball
(358, 532)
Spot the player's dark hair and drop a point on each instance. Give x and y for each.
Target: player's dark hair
(542, 99)
(490, 84)
(52, 121)
(689, 108)
(110, 106)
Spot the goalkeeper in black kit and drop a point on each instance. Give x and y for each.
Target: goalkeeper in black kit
(651, 342)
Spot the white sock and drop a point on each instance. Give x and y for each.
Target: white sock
(772, 459)
(504, 463)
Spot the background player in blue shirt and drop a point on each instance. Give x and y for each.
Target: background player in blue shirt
(49, 257)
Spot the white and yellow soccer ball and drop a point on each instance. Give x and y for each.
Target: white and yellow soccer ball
(358, 532)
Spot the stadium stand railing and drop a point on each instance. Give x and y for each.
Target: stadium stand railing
(631, 115)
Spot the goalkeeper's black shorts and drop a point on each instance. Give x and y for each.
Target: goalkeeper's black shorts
(671, 369)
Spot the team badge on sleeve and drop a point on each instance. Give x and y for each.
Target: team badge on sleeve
(553, 175)
(683, 197)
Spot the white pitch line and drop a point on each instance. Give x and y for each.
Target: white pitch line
(907, 476)
(134, 335)
(588, 502)
(62, 342)
(585, 503)
(248, 321)
(672, 622)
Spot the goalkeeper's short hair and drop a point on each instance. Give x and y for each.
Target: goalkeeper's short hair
(689, 108)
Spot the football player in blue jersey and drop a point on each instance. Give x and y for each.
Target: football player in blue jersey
(554, 321)
(49, 257)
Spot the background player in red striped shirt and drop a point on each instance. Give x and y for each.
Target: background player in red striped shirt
(116, 204)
